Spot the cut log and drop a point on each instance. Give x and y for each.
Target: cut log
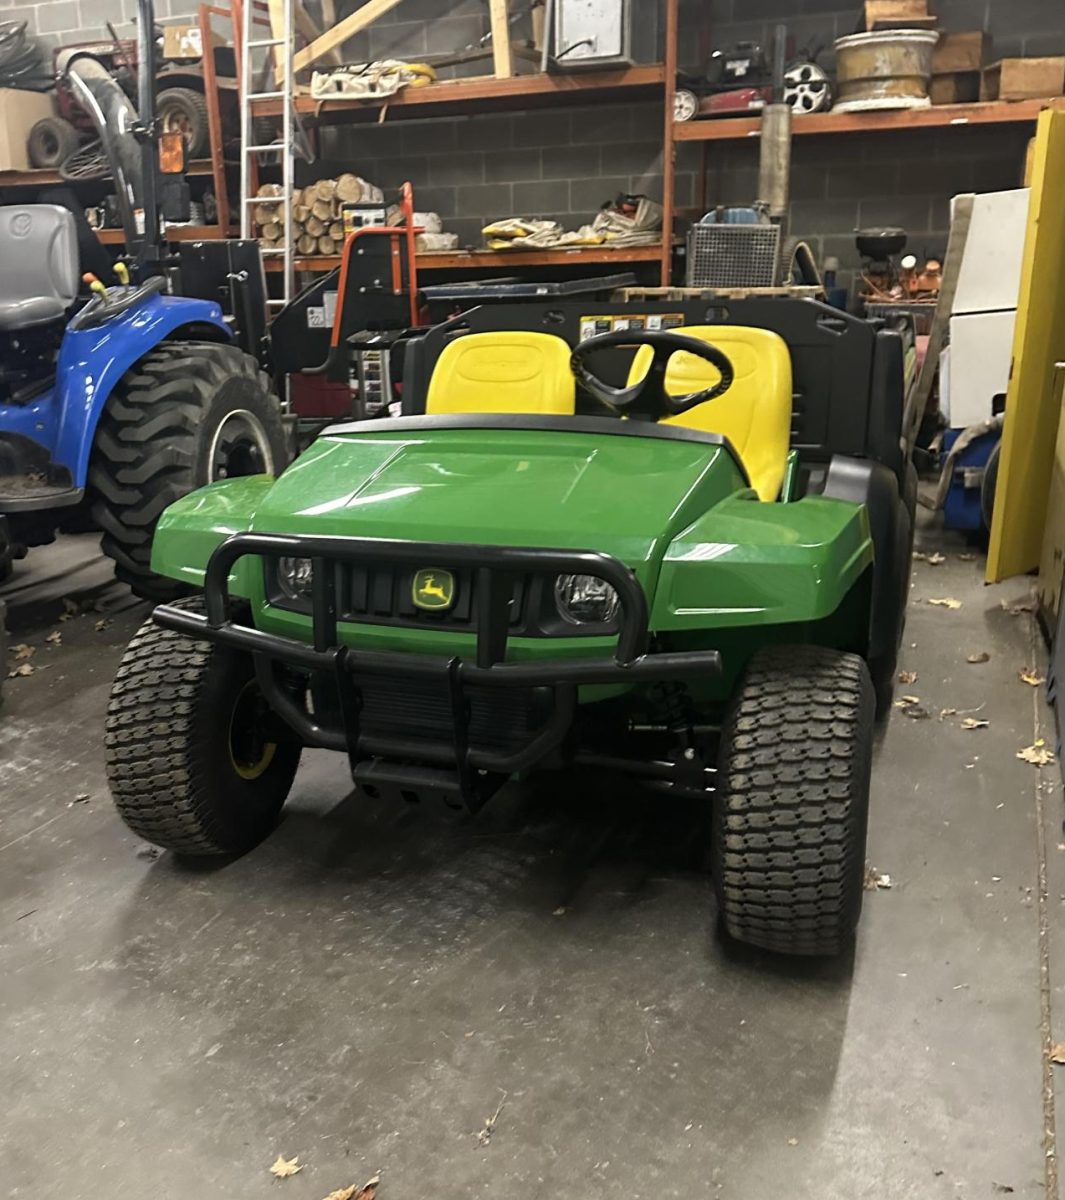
(325, 189)
(349, 188)
(273, 231)
(314, 227)
(300, 213)
(326, 245)
(336, 231)
(306, 244)
(323, 210)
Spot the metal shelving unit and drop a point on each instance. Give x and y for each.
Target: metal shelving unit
(735, 129)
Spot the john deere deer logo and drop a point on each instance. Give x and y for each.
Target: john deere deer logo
(433, 588)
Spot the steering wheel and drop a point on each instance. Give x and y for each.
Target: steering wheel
(647, 398)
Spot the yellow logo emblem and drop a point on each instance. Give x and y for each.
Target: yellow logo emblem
(433, 588)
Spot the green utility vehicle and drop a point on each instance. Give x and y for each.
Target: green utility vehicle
(676, 548)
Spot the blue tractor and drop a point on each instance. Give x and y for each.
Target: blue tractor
(119, 400)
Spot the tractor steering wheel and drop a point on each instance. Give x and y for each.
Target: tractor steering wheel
(647, 398)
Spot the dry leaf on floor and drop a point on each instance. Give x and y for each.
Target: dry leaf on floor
(1031, 677)
(367, 1192)
(907, 677)
(947, 712)
(1057, 1053)
(55, 638)
(23, 651)
(981, 657)
(933, 559)
(1001, 1187)
(793, 1141)
(284, 1167)
(103, 624)
(973, 723)
(916, 712)
(1016, 607)
(946, 602)
(1037, 754)
(485, 1135)
(966, 558)
(874, 880)
(25, 669)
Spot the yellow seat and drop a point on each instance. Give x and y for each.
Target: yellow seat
(512, 372)
(754, 414)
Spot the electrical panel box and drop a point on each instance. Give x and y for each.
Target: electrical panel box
(589, 33)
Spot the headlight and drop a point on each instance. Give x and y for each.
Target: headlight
(584, 599)
(294, 576)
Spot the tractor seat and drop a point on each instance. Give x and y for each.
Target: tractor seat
(754, 414)
(39, 250)
(511, 372)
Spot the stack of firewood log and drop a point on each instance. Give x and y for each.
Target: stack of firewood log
(317, 224)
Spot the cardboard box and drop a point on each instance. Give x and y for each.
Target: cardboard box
(959, 87)
(186, 41)
(956, 52)
(19, 112)
(1052, 559)
(897, 14)
(1023, 79)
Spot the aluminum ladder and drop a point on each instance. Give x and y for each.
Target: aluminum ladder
(280, 48)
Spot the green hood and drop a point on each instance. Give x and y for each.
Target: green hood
(627, 496)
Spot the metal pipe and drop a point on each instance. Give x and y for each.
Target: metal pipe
(150, 250)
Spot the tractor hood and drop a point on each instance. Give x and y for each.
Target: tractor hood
(623, 494)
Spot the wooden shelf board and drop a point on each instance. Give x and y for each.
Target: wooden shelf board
(461, 95)
(996, 112)
(448, 260)
(174, 233)
(36, 177)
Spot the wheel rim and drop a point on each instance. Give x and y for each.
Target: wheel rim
(240, 446)
(806, 88)
(174, 120)
(250, 752)
(685, 105)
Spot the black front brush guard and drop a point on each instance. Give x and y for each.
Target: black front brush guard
(495, 568)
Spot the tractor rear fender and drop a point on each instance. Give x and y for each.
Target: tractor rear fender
(93, 360)
(748, 563)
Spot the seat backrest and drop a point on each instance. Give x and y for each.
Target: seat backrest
(39, 253)
(507, 372)
(754, 414)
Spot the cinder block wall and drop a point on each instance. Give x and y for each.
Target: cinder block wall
(563, 163)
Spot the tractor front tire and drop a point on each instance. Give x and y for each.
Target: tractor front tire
(196, 761)
(790, 814)
(184, 415)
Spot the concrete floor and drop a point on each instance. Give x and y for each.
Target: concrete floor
(370, 984)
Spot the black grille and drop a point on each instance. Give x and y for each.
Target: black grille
(383, 595)
(499, 719)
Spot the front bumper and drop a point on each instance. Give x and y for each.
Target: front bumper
(465, 686)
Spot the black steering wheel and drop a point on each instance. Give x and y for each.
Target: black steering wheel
(647, 398)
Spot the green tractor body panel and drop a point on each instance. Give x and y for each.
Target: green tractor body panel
(712, 559)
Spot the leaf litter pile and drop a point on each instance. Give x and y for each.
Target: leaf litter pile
(1037, 754)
